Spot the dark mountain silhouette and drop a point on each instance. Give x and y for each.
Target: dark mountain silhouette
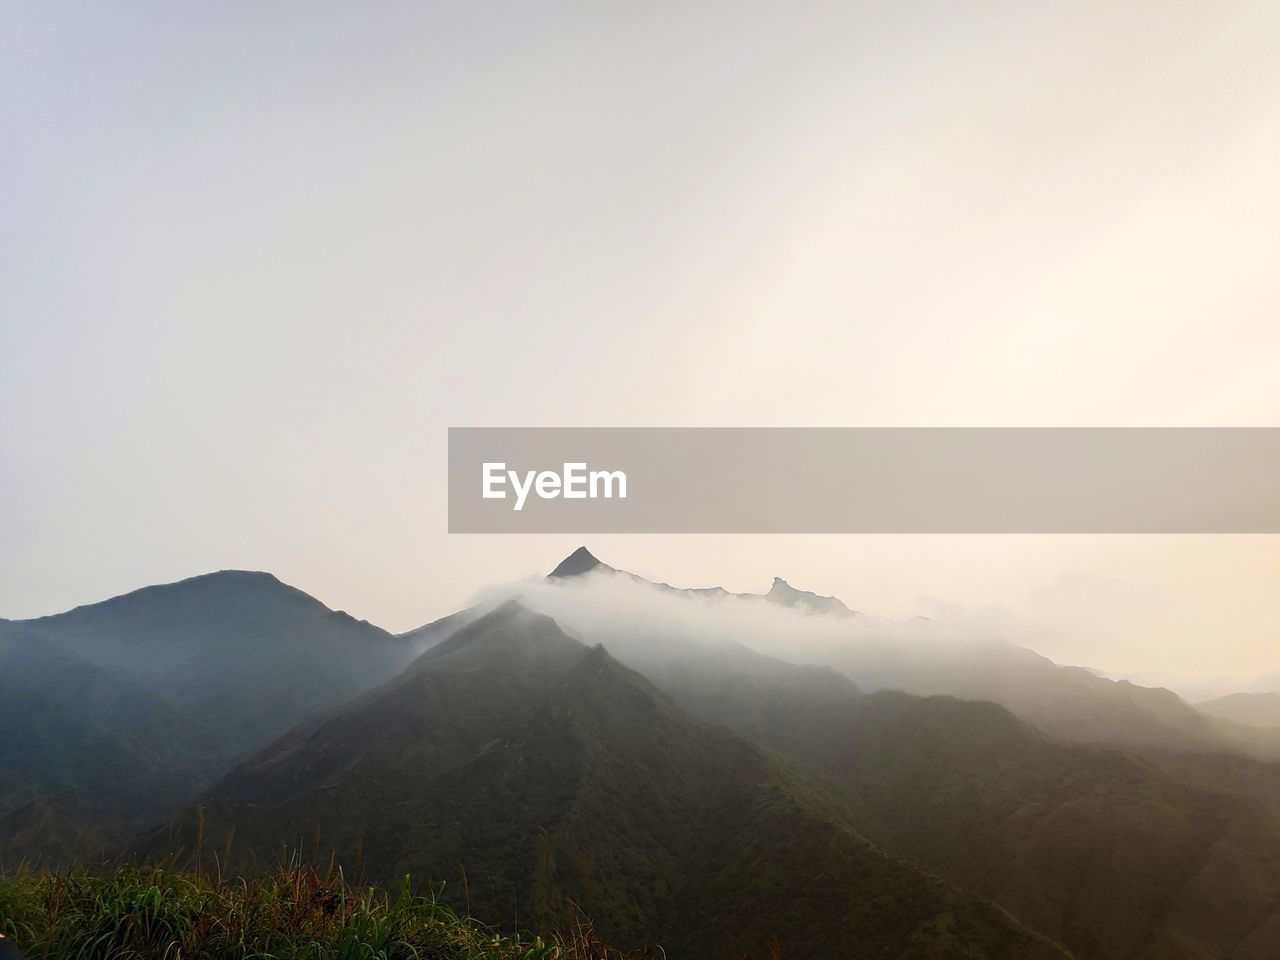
(249, 653)
(70, 726)
(577, 563)
(127, 709)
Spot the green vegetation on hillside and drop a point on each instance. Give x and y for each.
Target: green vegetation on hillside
(532, 773)
(295, 913)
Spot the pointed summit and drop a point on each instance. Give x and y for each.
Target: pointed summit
(577, 563)
(786, 595)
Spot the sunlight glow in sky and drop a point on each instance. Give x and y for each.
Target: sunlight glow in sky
(257, 258)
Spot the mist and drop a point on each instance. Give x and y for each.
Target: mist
(638, 620)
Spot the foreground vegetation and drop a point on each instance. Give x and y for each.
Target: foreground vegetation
(296, 913)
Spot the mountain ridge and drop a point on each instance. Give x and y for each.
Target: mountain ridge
(592, 787)
(1065, 701)
(1252, 709)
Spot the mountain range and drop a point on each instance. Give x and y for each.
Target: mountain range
(723, 775)
(1254, 709)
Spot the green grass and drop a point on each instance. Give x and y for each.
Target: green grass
(296, 913)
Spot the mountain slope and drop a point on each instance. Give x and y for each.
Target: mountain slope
(70, 726)
(249, 653)
(786, 595)
(1254, 709)
(1066, 702)
(919, 657)
(1118, 855)
(1113, 854)
(120, 712)
(56, 833)
(532, 772)
(1094, 846)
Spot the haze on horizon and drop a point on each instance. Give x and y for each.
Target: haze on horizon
(257, 260)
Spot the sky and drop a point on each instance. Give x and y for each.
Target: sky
(257, 258)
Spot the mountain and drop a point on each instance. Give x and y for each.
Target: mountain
(788, 596)
(722, 774)
(1254, 709)
(72, 727)
(577, 563)
(532, 773)
(1108, 852)
(1113, 853)
(249, 654)
(1071, 703)
(116, 714)
(921, 656)
(582, 562)
(56, 833)
(1117, 855)
(423, 638)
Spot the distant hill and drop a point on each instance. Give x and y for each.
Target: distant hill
(72, 727)
(920, 657)
(723, 774)
(1254, 709)
(1105, 851)
(1116, 855)
(57, 833)
(532, 772)
(132, 706)
(788, 596)
(423, 638)
(252, 654)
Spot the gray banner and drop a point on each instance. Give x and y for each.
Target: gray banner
(855, 480)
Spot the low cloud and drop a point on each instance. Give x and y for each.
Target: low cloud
(630, 614)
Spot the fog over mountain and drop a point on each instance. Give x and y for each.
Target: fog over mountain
(263, 261)
(710, 771)
(533, 773)
(959, 656)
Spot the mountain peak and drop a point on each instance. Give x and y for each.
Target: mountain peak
(511, 626)
(788, 596)
(577, 563)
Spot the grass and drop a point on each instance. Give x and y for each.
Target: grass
(296, 913)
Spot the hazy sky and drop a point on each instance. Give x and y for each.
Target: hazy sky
(256, 258)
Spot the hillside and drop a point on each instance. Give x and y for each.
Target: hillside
(1109, 852)
(125, 710)
(649, 763)
(57, 833)
(920, 657)
(530, 772)
(1104, 850)
(70, 726)
(251, 654)
(1254, 709)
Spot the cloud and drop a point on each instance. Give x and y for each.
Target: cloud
(638, 619)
